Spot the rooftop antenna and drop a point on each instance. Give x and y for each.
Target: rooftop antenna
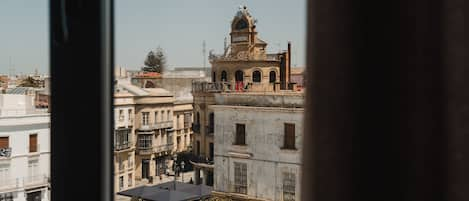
(204, 51)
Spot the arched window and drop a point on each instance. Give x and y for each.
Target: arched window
(239, 76)
(149, 84)
(197, 119)
(223, 76)
(272, 76)
(256, 76)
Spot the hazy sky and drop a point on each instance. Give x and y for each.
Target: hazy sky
(178, 26)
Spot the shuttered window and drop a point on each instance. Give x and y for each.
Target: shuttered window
(4, 142)
(240, 134)
(33, 143)
(289, 136)
(241, 180)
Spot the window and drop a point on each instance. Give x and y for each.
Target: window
(239, 75)
(4, 172)
(223, 76)
(272, 76)
(240, 174)
(289, 182)
(211, 122)
(121, 165)
(178, 125)
(162, 116)
(121, 115)
(33, 169)
(122, 138)
(4, 143)
(129, 180)
(240, 134)
(121, 182)
(130, 115)
(214, 78)
(144, 141)
(256, 76)
(169, 115)
(145, 118)
(197, 118)
(32, 143)
(156, 117)
(187, 120)
(289, 136)
(129, 162)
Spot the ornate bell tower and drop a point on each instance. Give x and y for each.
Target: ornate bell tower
(245, 45)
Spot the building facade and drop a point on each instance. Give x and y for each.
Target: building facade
(124, 140)
(24, 149)
(248, 120)
(258, 142)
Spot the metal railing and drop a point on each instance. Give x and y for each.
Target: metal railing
(145, 150)
(234, 87)
(196, 127)
(26, 182)
(163, 124)
(17, 112)
(123, 146)
(36, 180)
(10, 184)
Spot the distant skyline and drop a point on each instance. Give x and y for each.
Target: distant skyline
(177, 26)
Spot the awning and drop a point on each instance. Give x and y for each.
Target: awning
(165, 191)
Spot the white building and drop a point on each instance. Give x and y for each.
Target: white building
(24, 149)
(258, 142)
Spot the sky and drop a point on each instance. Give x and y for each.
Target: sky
(179, 27)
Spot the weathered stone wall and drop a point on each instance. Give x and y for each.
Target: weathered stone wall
(266, 161)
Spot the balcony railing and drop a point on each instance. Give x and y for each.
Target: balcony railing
(163, 124)
(145, 150)
(163, 148)
(123, 146)
(9, 184)
(26, 182)
(233, 87)
(37, 180)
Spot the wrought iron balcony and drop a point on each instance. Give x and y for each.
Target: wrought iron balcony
(196, 127)
(123, 146)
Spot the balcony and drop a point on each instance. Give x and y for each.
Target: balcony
(196, 128)
(123, 146)
(164, 148)
(145, 150)
(36, 181)
(163, 124)
(9, 184)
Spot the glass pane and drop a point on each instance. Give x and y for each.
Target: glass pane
(211, 85)
(24, 100)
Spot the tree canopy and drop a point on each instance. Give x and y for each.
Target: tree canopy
(155, 61)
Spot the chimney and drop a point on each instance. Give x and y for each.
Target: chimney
(289, 62)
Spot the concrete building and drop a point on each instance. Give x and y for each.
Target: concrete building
(124, 138)
(24, 149)
(182, 125)
(258, 143)
(248, 120)
(150, 127)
